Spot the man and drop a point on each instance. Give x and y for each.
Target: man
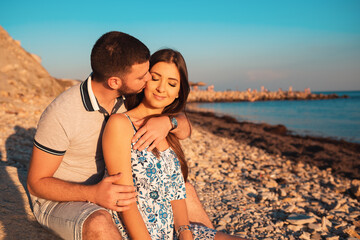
(68, 192)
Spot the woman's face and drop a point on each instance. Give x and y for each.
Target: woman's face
(163, 88)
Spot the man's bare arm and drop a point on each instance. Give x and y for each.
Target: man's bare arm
(41, 183)
(184, 127)
(157, 128)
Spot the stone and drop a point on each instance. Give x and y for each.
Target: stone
(316, 236)
(282, 192)
(354, 214)
(355, 188)
(333, 238)
(268, 196)
(300, 219)
(271, 183)
(315, 226)
(295, 228)
(352, 232)
(325, 222)
(305, 235)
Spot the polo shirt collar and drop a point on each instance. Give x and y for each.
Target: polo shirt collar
(89, 100)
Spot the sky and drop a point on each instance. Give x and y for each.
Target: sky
(233, 45)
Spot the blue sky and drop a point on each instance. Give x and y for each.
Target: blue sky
(232, 45)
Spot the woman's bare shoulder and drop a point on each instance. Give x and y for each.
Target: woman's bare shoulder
(119, 118)
(120, 121)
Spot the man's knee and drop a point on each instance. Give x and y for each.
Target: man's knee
(98, 223)
(98, 218)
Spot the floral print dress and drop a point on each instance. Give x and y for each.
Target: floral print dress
(158, 182)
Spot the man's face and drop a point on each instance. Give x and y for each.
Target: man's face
(135, 80)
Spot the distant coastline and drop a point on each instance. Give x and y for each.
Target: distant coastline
(254, 95)
(334, 118)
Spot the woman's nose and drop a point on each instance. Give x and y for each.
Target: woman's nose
(161, 86)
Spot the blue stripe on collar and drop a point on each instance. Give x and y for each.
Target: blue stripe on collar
(85, 96)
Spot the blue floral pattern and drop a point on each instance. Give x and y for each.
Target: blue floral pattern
(158, 182)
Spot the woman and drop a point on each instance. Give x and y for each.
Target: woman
(159, 176)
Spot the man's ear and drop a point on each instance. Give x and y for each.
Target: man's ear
(114, 82)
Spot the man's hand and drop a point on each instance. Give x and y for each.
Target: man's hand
(152, 133)
(112, 196)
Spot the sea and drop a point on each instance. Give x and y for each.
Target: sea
(336, 118)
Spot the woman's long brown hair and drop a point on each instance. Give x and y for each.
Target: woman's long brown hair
(177, 106)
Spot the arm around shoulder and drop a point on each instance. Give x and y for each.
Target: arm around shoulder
(183, 130)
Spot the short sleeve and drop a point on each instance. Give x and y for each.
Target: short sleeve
(51, 135)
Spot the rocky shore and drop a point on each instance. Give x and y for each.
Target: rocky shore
(251, 96)
(250, 186)
(247, 188)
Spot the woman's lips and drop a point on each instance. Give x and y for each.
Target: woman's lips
(159, 97)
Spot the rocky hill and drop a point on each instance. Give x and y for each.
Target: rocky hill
(26, 88)
(21, 72)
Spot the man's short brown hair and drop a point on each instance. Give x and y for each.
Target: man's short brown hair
(114, 53)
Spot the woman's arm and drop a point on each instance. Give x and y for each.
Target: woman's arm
(181, 218)
(116, 145)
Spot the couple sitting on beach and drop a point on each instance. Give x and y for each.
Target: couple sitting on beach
(143, 194)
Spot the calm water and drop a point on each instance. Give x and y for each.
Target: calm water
(337, 118)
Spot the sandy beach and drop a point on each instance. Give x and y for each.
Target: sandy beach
(253, 180)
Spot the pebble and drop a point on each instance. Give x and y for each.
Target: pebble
(300, 219)
(316, 236)
(305, 235)
(333, 238)
(315, 226)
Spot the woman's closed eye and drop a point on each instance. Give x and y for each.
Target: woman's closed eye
(172, 84)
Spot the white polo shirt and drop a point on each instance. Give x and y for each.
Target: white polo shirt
(72, 126)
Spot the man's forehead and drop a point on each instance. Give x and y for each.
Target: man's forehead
(141, 66)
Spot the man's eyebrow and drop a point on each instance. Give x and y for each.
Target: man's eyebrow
(143, 75)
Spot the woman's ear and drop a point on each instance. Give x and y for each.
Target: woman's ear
(114, 82)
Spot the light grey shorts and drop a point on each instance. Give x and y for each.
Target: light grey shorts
(65, 219)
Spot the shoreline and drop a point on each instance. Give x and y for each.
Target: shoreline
(192, 107)
(324, 152)
(208, 96)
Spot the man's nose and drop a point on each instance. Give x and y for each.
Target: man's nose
(147, 77)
